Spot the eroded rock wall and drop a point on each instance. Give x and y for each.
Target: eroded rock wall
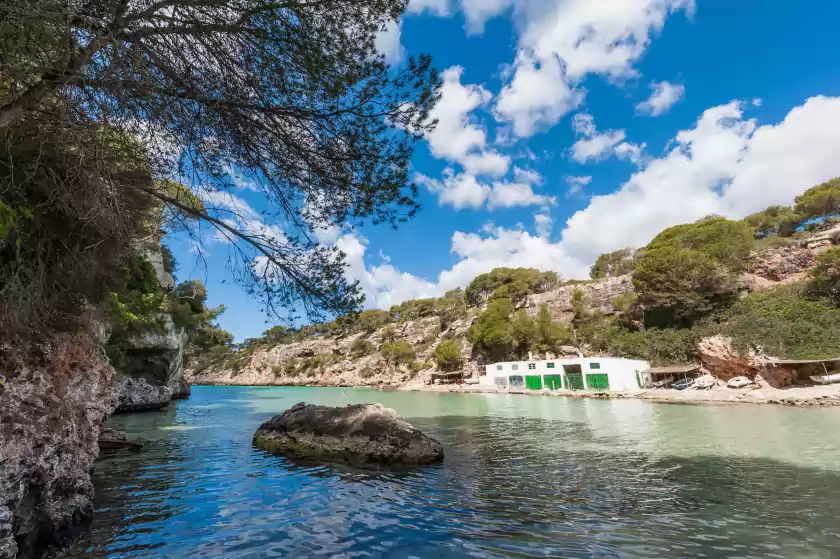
(53, 401)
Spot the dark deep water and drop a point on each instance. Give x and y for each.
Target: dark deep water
(523, 477)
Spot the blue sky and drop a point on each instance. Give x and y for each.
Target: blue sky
(574, 127)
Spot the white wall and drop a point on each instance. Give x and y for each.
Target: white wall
(622, 372)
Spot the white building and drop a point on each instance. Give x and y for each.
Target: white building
(581, 373)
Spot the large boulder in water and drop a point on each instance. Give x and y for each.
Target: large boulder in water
(361, 435)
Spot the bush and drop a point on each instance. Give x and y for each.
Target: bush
(655, 345)
(724, 241)
(447, 355)
(825, 277)
(677, 286)
(492, 334)
(550, 335)
(774, 221)
(361, 347)
(509, 283)
(368, 372)
(785, 324)
(613, 264)
(820, 201)
(398, 352)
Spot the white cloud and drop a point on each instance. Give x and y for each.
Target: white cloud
(538, 95)
(507, 194)
(387, 42)
(664, 96)
(457, 190)
(724, 165)
(542, 224)
(458, 137)
(464, 190)
(595, 146)
(477, 12)
(576, 185)
(563, 41)
(757, 102)
(437, 7)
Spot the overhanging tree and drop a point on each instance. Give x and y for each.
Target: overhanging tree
(291, 95)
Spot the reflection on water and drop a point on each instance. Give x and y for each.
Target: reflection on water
(523, 477)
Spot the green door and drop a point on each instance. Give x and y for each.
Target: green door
(553, 382)
(575, 381)
(533, 382)
(600, 381)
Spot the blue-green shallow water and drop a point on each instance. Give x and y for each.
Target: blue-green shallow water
(523, 477)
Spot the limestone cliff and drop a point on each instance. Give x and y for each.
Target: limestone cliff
(154, 369)
(55, 396)
(332, 361)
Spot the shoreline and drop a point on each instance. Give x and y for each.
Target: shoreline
(806, 396)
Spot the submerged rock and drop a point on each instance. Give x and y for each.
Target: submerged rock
(138, 395)
(111, 439)
(361, 435)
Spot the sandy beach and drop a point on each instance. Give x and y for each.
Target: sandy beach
(806, 396)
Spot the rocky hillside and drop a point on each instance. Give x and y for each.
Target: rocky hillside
(357, 360)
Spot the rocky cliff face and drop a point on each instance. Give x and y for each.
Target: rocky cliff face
(54, 398)
(597, 297)
(333, 362)
(154, 372)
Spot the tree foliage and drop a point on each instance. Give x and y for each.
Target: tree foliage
(491, 334)
(549, 335)
(509, 283)
(616, 263)
(774, 220)
(290, 95)
(825, 277)
(447, 355)
(677, 286)
(724, 241)
(820, 201)
(398, 352)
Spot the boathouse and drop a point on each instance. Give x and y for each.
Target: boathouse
(583, 373)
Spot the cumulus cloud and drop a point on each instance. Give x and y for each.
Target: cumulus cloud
(458, 137)
(576, 185)
(387, 42)
(477, 12)
(563, 41)
(664, 96)
(725, 164)
(464, 190)
(437, 7)
(595, 146)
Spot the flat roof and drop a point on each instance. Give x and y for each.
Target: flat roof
(671, 369)
(799, 361)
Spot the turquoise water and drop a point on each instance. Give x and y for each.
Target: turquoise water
(524, 476)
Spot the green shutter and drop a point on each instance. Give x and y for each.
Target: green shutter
(575, 381)
(553, 382)
(598, 381)
(533, 382)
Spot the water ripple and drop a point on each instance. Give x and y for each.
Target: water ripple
(569, 481)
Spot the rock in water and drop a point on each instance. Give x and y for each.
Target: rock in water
(139, 395)
(361, 435)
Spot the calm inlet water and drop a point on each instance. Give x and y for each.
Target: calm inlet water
(523, 477)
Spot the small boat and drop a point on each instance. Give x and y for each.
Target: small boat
(664, 382)
(739, 382)
(683, 383)
(705, 382)
(826, 379)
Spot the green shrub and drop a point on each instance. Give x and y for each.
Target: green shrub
(613, 264)
(492, 333)
(368, 372)
(447, 355)
(825, 277)
(658, 346)
(820, 201)
(679, 286)
(785, 323)
(361, 347)
(398, 352)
